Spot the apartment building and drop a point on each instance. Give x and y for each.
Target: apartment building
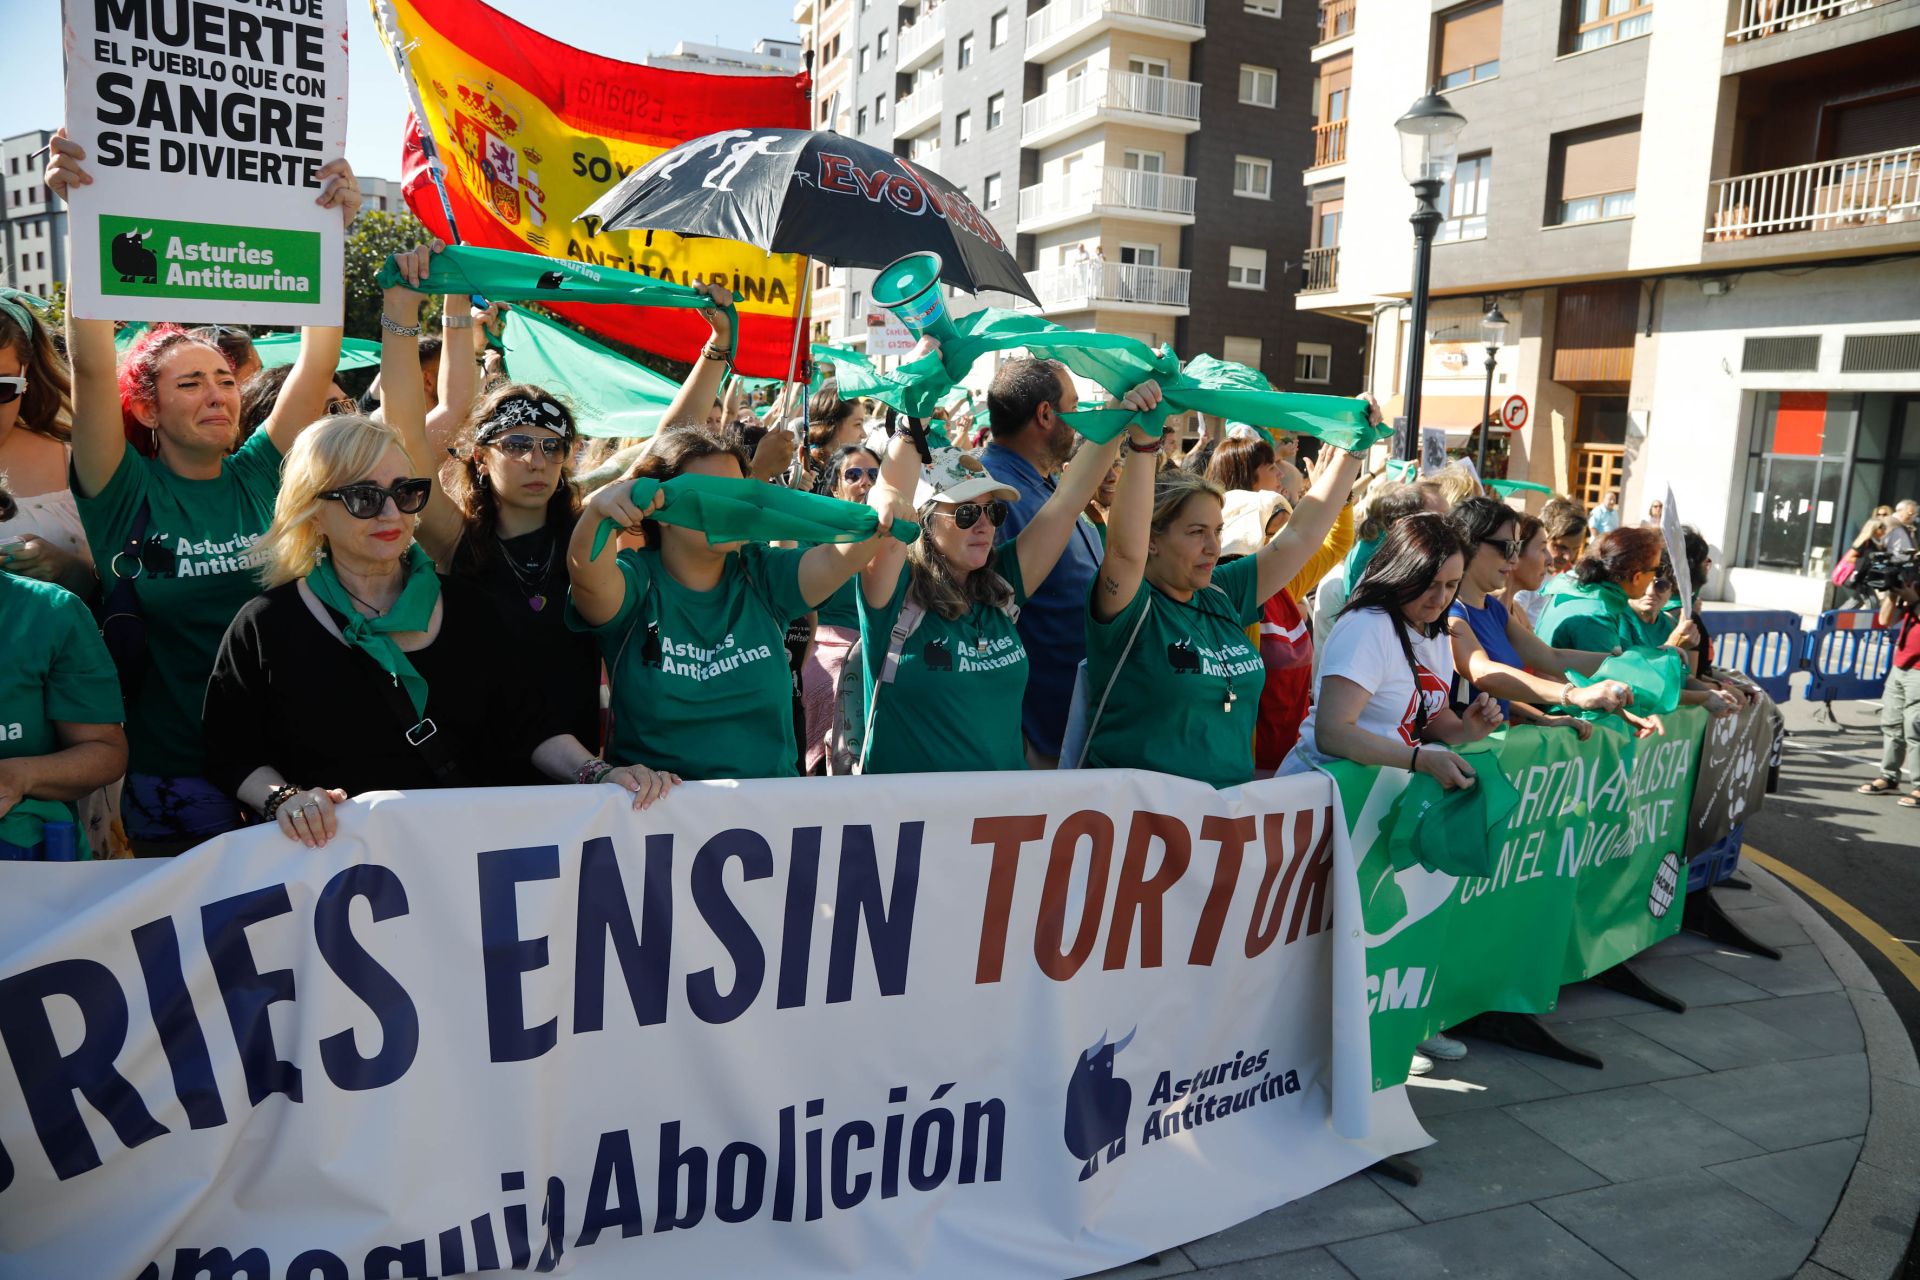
(1702, 220)
(766, 58)
(1121, 145)
(33, 221)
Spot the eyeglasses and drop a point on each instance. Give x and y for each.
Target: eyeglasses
(854, 475)
(1663, 584)
(1509, 548)
(518, 447)
(366, 500)
(968, 514)
(12, 389)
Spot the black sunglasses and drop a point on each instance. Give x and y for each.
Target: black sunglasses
(968, 514)
(12, 389)
(1509, 548)
(366, 500)
(1663, 584)
(520, 446)
(856, 474)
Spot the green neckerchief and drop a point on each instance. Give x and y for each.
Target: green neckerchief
(413, 611)
(1355, 564)
(499, 275)
(23, 825)
(1607, 599)
(1506, 487)
(728, 510)
(1656, 676)
(14, 304)
(1451, 830)
(1113, 361)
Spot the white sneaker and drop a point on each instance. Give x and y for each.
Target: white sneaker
(1443, 1048)
(1420, 1066)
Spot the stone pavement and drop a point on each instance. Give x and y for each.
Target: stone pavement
(1771, 1131)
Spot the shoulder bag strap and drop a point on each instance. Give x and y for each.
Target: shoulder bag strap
(1094, 722)
(422, 734)
(908, 622)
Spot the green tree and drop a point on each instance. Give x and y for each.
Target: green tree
(373, 238)
(56, 316)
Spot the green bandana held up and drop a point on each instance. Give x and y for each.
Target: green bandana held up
(1507, 488)
(729, 510)
(413, 611)
(1115, 362)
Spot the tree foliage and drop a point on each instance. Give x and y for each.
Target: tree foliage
(374, 237)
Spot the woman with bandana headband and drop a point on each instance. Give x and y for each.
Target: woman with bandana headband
(45, 539)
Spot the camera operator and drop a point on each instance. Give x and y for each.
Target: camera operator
(1900, 703)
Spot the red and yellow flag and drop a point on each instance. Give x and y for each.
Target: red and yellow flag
(532, 132)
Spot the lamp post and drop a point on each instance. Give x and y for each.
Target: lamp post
(1493, 329)
(1429, 133)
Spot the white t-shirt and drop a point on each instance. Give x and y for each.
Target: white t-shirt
(1362, 648)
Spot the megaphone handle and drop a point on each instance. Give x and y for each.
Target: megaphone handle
(917, 432)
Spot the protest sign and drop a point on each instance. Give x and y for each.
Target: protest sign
(204, 131)
(1675, 539)
(1004, 1025)
(533, 131)
(1735, 756)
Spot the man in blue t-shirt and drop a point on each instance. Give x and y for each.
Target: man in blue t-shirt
(1031, 443)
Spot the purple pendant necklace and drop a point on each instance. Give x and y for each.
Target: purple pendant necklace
(533, 578)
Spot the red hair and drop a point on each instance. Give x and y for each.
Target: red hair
(139, 377)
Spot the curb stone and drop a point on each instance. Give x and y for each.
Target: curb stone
(1870, 1231)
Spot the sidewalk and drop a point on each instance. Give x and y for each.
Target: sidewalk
(1771, 1131)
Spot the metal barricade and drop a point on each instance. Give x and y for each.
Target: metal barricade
(1848, 656)
(1765, 645)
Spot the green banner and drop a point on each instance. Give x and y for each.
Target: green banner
(1588, 869)
(154, 258)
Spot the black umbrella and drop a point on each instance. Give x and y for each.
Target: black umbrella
(828, 197)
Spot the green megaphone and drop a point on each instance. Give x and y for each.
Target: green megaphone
(910, 288)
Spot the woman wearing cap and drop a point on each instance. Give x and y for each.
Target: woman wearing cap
(850, 476)
(694, 633)
(938, 640)
(172, 509)
(1171, 678)
(361, 669)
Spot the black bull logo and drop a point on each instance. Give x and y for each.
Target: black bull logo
(1098, 1106)
(133, 260)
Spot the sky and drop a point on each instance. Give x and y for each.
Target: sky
(30, 70)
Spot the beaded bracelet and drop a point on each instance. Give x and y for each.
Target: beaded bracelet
(592, 771)
(277, 797)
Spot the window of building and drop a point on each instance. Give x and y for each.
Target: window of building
(880, 109)
(998, 29)
(963, 128)
(1241, 350)
(1253, 177)
(1246, 268)
(860, 121)
(990, 191)
(996, 110)
(1469, 44)
(1144, 161)
(1591, 173)
(1312, 362)
(1265, 8)
(13, 164)
(1464, 199)
(1159, 68)
(1326, 223)
(866, 59)
(1140, 255)
(1799, 444)
(1258, 85)
(880, 43)
(963, 52)
(1593, 23)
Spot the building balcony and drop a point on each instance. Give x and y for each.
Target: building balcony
(1336, 19)
(1108, 192)
(1832, 195)
(803, 13)
(1117, 97)
(922, 42)
(1758, 19)
(1320, 273)
(1065, 23)
(1329, 143)
(1084, 286)
(918, 111)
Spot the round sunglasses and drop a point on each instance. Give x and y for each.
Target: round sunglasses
(366, 500)
(968, 514)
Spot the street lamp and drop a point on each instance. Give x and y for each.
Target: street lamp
(1429, 133)
(1493, 330)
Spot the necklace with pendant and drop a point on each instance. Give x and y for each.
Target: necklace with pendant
(532, 579)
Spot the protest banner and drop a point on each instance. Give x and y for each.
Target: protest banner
(1735, 756)
(1007, 1025)
(532, 132)
(204, 133)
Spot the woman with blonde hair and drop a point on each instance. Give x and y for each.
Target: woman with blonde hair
(360, 668)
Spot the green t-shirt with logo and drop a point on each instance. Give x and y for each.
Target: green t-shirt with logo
(197, 570)
(1187, 697)
(954, 702)
(56, 667)
(700, 680)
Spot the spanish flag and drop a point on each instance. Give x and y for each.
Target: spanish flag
(532, 131)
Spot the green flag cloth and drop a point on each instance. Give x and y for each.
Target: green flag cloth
(729, 510)
(276, 349)
(413, 611)
(1113, 361)
(1506, 487)
(24, 825)
(1405, 472)
(1450, 831)
(610, 395)
(127, 335)
(1656, 676)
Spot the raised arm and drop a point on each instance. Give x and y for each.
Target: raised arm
(1129, 530)
(303, 400)
(461, 346)
(1517, 685)
(700, 390)
(1045, 537)
(1288, 551)
(99, 437)
(405, 406)
(892, 497)
(599, 590)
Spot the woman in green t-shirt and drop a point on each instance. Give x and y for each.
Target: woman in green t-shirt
(172, 509)
(1173, 683)
(694, 634)
(850, 476)
(937, 632)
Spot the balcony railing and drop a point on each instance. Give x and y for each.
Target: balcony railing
(1115, 91)
(1134, 189)
(923, 38)
(1336, 19)
(1062, 16)
(1329, 143)
(1854, 191)
(1761, 18)
(1320, 273)
(917, 110)
(1082, 284)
